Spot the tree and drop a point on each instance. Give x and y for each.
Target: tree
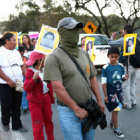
(89, 6)
(133, 9)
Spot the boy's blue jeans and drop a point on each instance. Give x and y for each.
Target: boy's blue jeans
(72, 126)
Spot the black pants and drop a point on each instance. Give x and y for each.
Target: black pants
(10, 106)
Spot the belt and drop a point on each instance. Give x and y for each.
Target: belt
(60, 103)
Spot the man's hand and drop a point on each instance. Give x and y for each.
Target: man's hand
(101, 106)
(36, 75)
(81, 113)
(126, 76)
(106, 99)
(11, 83)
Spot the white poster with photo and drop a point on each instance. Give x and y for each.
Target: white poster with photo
(48, 39)
(129, 44)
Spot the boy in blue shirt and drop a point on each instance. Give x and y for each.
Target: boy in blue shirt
(112, 76)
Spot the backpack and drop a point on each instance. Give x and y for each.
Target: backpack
(135, 59)
(123, 59)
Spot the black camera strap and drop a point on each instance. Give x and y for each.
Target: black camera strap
(77, 66)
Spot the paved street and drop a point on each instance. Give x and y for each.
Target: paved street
(128, 122)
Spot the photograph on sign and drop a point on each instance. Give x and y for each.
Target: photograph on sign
(89, 47)
(48, 39)
(129, 44)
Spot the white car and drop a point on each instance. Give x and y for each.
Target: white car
(100, 48)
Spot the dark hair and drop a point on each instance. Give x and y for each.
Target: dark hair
(49, 33)
(6, 36)
(35, 63)
(21, 49)
(113, 50)
(128, 29)
(130, 39)
(33, 39)
(89, 43)
(29, 40)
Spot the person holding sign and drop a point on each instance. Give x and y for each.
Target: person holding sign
(40, 97)
(69, 85)
(129, 86)
(112, 76)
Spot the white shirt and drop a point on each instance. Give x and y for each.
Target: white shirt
(10, 64)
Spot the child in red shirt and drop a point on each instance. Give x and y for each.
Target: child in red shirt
(40, 97)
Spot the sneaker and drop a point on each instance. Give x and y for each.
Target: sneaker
(25, 110)
(134, 104)
(127, 107)
(118, 133)
(5, 127)
(111, 125)
(22, 129)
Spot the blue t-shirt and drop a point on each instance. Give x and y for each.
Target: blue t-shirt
(112, 76)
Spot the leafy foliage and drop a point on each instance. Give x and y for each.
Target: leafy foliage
(82, 10)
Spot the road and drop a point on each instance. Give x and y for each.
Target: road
(128, 122)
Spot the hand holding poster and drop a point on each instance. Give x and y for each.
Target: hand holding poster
(129, 44)
(48, 40)
(89, 47)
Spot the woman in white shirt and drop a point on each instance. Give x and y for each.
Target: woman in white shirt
(11, 68)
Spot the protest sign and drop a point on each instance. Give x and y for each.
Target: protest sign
(129, 44)
(89, 47)
(48, 39)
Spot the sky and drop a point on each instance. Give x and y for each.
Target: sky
(7, 7)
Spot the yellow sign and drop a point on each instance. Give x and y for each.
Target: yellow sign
(89, 47)
(21, 37)
(129, 44)
(90, 28)
(48, 40)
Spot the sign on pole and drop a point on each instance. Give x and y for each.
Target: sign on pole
(89, 47)
(48, 39)
(90, 28)
(129, 44)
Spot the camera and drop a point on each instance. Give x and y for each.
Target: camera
(118, 33)
(95, 116)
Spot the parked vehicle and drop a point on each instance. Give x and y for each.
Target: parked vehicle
(100, 48)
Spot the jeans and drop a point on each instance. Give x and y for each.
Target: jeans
(24, 102)
(72, 126)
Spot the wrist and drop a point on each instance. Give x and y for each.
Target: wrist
(105, 96)
(112, 37)
(75, 108)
